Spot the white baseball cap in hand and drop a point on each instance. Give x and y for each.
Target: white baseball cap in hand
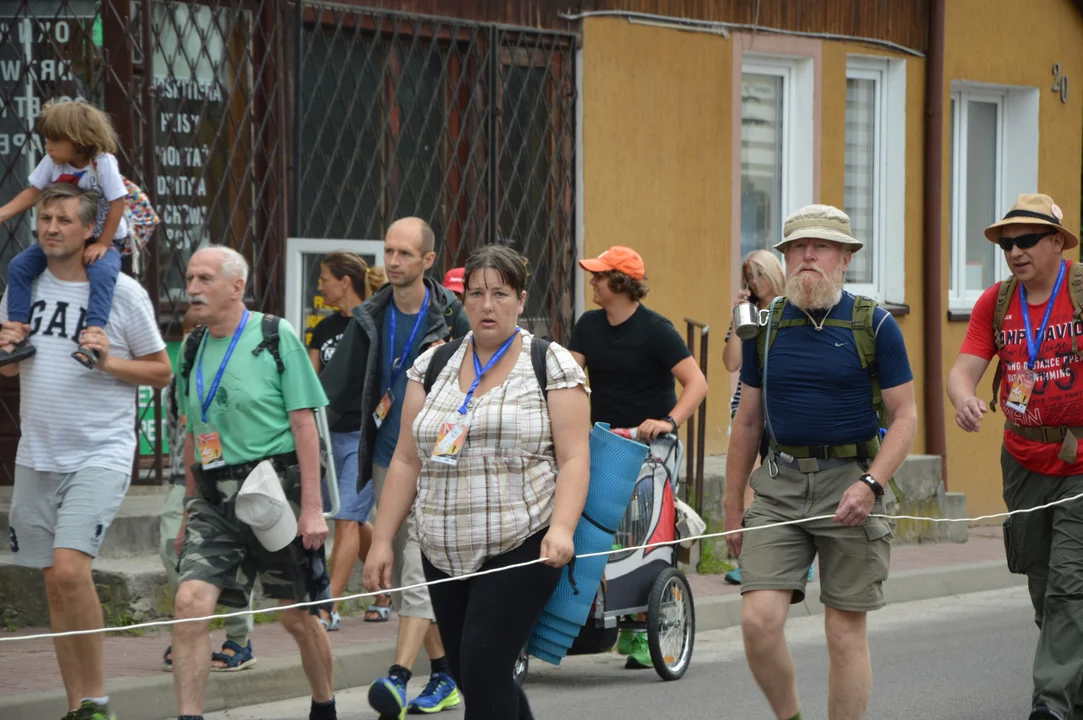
(261, 504)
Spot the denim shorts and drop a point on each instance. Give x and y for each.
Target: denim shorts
(353, 505)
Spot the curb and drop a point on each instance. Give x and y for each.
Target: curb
(282, 678)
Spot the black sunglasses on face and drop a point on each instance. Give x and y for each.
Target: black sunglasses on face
(1023, 242)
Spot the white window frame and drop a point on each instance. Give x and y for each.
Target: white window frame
(297, 247)
(1016, 172)
(888, 240)
(798, 124)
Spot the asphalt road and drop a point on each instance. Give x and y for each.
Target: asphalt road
(955, 658)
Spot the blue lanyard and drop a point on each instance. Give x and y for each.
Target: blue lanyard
(205, 403)
(396, 370)
(1034, 344)
(479, 371)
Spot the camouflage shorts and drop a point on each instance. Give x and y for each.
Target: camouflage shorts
(221, 550)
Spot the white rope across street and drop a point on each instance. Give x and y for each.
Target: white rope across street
(708, 536)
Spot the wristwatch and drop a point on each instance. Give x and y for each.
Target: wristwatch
(669, 419)
(877, 488)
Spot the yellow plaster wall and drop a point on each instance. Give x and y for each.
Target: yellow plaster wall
(832, 186)
(1010, 47)
(656, 173)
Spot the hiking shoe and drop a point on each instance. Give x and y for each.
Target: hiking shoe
(1042, 711)
(733, 577)
(91, 711)
(439, 694)
(387, 696)
(640, 656)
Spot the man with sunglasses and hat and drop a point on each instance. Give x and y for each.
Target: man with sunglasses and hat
(1032, 323)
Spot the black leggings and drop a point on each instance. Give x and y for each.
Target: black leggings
(485, 622)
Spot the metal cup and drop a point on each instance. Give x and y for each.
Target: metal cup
(746, 321)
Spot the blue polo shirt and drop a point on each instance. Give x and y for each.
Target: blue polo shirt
(817, 391)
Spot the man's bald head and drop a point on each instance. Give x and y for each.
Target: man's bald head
(417, 230)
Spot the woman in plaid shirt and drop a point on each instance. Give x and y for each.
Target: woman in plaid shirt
(502, 470)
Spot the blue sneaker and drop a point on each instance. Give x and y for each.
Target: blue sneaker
(439, 694)
(387, 696)
(811, 572)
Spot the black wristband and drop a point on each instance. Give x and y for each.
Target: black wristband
(669, 419)
(877, 488)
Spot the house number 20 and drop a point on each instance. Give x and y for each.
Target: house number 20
(1060, 83)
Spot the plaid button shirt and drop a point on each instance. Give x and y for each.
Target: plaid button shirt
(501, 491)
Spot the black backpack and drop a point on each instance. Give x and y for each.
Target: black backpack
(269, 325)
(538, 350)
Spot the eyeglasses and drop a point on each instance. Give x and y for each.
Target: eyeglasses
(1023, 242)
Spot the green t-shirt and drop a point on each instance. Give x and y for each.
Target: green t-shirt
(250, 409)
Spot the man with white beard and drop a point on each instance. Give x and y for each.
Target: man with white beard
(828, 371)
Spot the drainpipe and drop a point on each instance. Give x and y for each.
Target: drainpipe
(933, 314)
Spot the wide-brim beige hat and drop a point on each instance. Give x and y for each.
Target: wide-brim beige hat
(820, 222)
(1033, 209)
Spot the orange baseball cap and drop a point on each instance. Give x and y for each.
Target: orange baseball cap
(619, 258)
(454, 279)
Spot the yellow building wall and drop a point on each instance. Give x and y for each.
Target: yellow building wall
(832, 187)
(656, 173)
(1010, 47)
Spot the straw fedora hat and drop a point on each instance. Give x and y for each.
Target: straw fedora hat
(820, 222)
(1033, 209)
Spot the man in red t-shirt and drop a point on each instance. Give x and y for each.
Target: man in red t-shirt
(1043, 409)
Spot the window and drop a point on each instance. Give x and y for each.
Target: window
(762, 121)
(875, 175)
(994, 157)
(776, 146)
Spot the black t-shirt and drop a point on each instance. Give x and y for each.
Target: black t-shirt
(630, 366)
(325, 338)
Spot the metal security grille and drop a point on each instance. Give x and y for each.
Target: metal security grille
(470, 127)
(220, 105)
(194, 92)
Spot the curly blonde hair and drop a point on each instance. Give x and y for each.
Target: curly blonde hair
(83, 125)
(375, 278)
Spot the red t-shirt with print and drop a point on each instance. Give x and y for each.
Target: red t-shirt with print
(1057, 398)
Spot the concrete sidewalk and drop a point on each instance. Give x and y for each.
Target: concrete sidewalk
(30, 686)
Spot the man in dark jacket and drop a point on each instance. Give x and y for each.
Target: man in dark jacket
(389, 331)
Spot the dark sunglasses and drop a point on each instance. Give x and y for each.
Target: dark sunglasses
(1023, 242)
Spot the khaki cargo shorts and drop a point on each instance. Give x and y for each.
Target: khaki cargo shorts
(853, 560)
(221, 550)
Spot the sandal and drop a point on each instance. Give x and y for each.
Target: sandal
(87, 358)
(19, 351)
(378, 613)
(240, 659)
(331, 625)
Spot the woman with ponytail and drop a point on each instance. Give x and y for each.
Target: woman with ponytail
(346, 281)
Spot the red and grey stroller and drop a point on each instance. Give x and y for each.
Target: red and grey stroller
(643, 589)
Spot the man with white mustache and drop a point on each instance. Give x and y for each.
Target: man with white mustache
(816, 374)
